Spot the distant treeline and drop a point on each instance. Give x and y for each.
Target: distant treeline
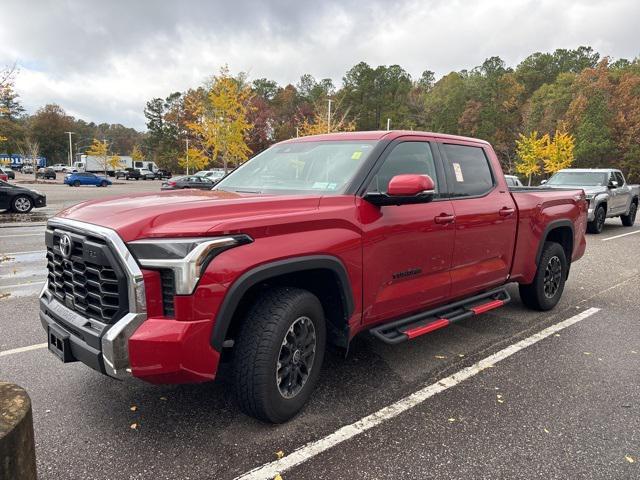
(594, 98)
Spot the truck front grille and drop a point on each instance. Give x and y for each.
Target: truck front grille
(86, 276)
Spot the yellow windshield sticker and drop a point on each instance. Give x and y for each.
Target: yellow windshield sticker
(356, 155)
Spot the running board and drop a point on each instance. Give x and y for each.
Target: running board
(426, 322)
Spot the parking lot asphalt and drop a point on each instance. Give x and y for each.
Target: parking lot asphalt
(567, 406)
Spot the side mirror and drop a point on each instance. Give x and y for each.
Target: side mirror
(404, 189)
(613, 184)
(543, 182)
(410, 185)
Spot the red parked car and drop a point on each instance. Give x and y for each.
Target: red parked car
(312, 241)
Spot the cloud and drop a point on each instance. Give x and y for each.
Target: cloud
(103, 60)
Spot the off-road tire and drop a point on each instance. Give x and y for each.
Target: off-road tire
(258, 348)
(534, 295)
(630, 218)
(599, 218)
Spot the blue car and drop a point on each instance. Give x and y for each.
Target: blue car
(82, 178)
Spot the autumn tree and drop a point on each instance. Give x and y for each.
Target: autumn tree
(193, 159)
(222, 125)
(101, 151)
(531, 151)
(136, 154)
(319, 124)
(558, 152)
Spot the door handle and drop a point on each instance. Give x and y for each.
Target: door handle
(444, 218)
(506, 211)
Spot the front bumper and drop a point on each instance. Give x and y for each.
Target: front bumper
(142, 343)
(40, 201)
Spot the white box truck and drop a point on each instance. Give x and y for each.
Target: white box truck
(94, 164)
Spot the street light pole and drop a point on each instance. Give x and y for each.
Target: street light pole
(70, 148)
(329, 117)
(187, 140)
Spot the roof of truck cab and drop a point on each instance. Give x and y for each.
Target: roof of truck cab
(377, 135)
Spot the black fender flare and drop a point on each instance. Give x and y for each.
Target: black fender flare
(552, 226)
(269, 270)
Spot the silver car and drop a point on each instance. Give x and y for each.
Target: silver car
(607, 191)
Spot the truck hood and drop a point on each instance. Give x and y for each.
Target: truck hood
(187, 212)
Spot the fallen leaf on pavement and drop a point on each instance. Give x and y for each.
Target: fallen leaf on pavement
(133, 408)
(452, 420)
(279, 454)
(546, 431)
(629, 458)
(163, 398)
(440, 357)
(134, 426)
(277, 477)
(587, 353)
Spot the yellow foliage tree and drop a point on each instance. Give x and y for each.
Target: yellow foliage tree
(320, 122)
(99, 149)
(222, 125)
(559, 152)
(531, 151)
(195, 160)
(136, 154)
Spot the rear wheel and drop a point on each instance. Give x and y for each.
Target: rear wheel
(279, 354)
(597, 224)
(548, 284)
(22, 204)
(630, 218)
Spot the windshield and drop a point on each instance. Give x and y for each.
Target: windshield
(305, 167)
(579, 179)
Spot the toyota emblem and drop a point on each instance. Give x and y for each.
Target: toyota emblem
(65, 246)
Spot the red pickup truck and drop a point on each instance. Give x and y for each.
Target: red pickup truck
(312, 241)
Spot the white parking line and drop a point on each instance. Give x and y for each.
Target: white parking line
(18, 285)
(41, 234)
(621, 235)
(310, 450)
(23, 253)
(23, 349)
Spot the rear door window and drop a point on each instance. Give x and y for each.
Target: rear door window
(619, 178)
(468, 170)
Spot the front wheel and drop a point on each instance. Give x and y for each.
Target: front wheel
(630, 218)
(597, 224)
(76, 183)
(103, 183)
(548, 284)
(22, 204)
(279, 353)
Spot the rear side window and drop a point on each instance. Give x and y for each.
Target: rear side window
(468, 170)
(406, 157)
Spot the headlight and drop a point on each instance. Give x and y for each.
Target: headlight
(187, 257)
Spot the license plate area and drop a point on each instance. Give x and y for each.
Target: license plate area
(59, 344)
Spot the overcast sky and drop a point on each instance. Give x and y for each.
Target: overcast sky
(102, 60)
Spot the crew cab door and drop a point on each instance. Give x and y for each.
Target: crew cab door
(407, 249)
(485, 217)
(619, 195)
